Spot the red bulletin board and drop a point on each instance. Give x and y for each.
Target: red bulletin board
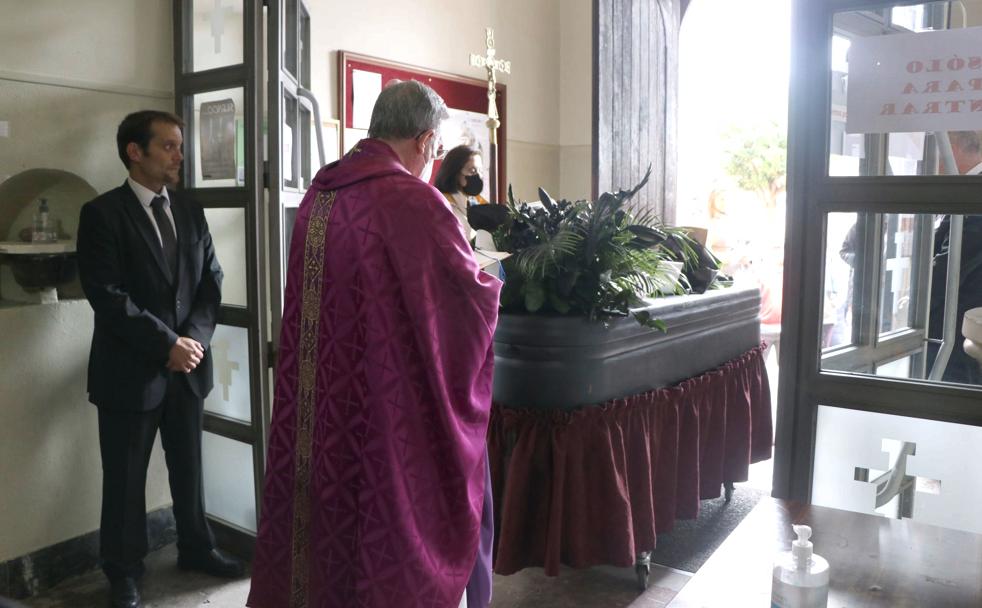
(459, 92)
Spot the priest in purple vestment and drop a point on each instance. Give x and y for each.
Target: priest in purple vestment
(377, 491)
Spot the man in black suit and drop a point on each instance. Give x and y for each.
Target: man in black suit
(148, 268)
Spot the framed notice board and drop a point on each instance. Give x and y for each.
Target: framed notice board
(362, 78)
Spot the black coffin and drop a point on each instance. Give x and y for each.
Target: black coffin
(566, 362)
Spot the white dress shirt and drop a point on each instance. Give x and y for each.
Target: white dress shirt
(145, 196)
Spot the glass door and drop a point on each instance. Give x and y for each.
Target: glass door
(294, 129)
(218, 75)
(880, 404)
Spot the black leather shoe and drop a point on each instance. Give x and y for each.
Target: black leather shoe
(214, 563)
(124, 594)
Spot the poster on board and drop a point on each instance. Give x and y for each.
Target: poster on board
(217, 138)
(361, 78)
(470, 129)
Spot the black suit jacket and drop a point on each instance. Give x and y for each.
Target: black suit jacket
(140, 309)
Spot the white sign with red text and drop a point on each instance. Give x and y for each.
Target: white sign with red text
(929, 81)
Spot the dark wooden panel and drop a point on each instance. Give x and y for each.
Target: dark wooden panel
(635, 98)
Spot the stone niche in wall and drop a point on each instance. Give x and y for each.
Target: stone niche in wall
(40, 271)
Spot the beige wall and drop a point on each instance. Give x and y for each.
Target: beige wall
(49, 447)
(70, 41)
(63, 91)
(576, 90)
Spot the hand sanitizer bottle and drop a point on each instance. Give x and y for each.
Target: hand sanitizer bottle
(801, 579)
(41, 229)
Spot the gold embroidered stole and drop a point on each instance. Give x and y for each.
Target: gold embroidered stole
(313, 279)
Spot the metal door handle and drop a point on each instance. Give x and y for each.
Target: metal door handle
(307, 98)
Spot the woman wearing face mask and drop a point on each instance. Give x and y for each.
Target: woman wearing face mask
(459, 179)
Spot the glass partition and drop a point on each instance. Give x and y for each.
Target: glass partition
(230, 492)
(906, 84)
(228, 231)
(231, 396)
(898, 467)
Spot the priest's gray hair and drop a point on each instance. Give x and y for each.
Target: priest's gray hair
(404, 109)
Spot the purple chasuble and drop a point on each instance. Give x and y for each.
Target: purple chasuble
(376, 482)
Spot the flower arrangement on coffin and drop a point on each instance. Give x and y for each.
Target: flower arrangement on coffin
(597, 259)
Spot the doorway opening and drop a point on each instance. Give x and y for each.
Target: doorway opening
(732, 164)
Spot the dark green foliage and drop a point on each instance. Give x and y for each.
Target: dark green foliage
(594, 259)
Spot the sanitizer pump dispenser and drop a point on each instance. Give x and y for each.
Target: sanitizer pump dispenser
(801, 578)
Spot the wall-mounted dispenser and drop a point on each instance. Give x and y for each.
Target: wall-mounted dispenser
(39, 211)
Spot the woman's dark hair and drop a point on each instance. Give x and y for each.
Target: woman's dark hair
(446, 176)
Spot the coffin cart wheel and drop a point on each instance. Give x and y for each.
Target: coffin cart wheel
(642, 568)
(728, 490)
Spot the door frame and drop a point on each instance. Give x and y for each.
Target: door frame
(250, 198)
(812, 194)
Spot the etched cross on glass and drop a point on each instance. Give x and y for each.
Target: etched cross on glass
(223, 365)
(218, 15)
(895, 489)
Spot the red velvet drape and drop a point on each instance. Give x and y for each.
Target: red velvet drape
(596, 484)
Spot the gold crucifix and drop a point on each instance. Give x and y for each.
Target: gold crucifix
(493, 65)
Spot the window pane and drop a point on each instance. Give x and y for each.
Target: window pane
(906, 86)
(839, 279)
(901, 368)
(897, 277)
(230, 492)
(228, 232)
(886, 294)
(217, 147)
(230, 353)
(308, 147)
(289, 220)
(290, 138)
(290, 43)
(305, 48)
(898, 467)
(217, 35)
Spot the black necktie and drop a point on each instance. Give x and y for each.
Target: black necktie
(167, 238)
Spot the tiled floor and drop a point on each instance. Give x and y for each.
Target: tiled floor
(592, 587)
(164, 586)
(167, 587)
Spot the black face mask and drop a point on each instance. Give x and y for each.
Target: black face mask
(474, 185)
